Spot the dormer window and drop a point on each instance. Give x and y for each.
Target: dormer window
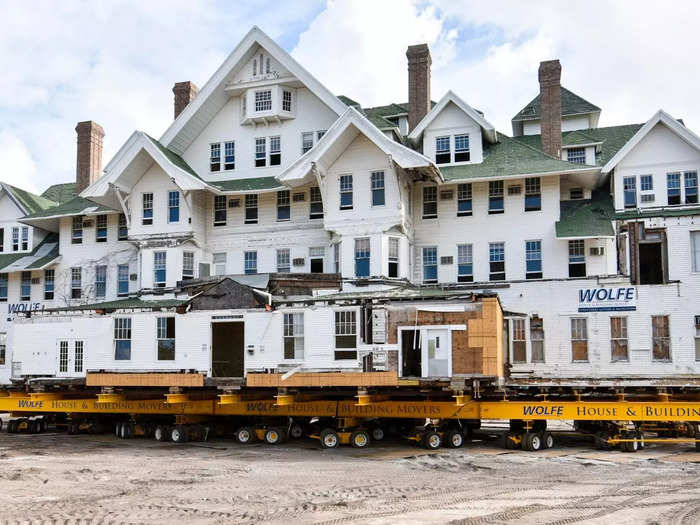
(442, 150)
(214, 157)
(263, 100)
(576, 155)
(286, 100)
(461, 148)
(230, 155)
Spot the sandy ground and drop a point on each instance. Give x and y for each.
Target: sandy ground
(58, 478)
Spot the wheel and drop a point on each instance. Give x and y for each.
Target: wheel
(296, 431)
(378, 434)
(602, 441)
(454, 439)
(640, 439)
(118, 429)
(360, 439)
(532, 441)
(510, 442)
(329, 438)
(33, 427)
(161, 433)
(11, 426)
(274, 436)
(73, 427)
(629, 446)
(43, 425)
(178, 434)
(128, 430)
(697, 441)
(547, 440)
(431, 440)
(246, 435)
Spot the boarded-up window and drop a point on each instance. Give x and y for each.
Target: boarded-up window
(579, 339)
(661, 338)
(618, 338)
(537, 339)
(519, 353)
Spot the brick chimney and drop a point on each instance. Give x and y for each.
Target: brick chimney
(184, 93)
(550, 106)
(88, 166)
(419, 62)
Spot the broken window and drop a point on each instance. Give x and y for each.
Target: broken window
(618, 338)
(661, 338)
(537, 339)
(579, 339)
(519, 350)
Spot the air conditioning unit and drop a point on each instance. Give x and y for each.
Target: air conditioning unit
(87, 224)
(597, 250)
(446, 259)
(299, 197)
(298, 261)
(514, 190)
(647, 197)
(234, 203)
(446, 195)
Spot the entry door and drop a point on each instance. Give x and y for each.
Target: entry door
(227, 352)
(435, 353)
(70, 353)
(410, 353)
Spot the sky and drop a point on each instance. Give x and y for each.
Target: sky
(115, 61)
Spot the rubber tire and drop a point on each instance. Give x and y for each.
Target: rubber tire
(630, 446)
(161, 433)
(640, 436)
(296, 431)
(43, 426)
(360, 439)
(378, 434)
(509, 443)
(128, 430)
(697, 443)
(329, 438)
(431, 440)
(33, 427)
(532, 441)
(547, 440)
(11, 426)
(247, 431)
(601, 441)
(178, 434)
(73, 427)
(273, 436)
(454, 439)
(118, 429)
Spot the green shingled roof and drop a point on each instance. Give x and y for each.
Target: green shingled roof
(571, 104)
(47, 248)
(348, 101)
(657, 212)
(577, 138)
(587, 218)
(60, 193)
(75, 206)
(255, 184)
(508, 157)
(31, 202)
(129, 303)
(176, 159)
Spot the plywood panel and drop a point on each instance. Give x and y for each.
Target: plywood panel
(308, 379)
(136, 379)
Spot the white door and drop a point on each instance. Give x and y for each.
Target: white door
(436, 353)
(70, 354)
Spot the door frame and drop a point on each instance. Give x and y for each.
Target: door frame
(224, 318)
(71, 357)
(423, 329)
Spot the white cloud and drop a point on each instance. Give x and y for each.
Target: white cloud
(18, 167)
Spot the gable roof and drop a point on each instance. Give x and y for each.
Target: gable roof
(659, 117)
(60, 193)
(49, 219)
(571, 104)
(297, 173)
(196, 115)
(450, 96)
(27, 201)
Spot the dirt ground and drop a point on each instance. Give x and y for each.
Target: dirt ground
(59, 478)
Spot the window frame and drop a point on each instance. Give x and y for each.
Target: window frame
(250, 257)
(122, 228)
(76, 291)
(101, 223)
(251, 208)
(346, 320)
(293, 332)
(377, 183)
(187, 269)
(49, 284)
(160, 267)
(100, 281)
(461, 154)
(465, 260)
(121, 280)
(229, 155)
(497, 273)
(283, 267)
(430, 202)
(533, 194)
(147, 209)
(260, 152)
(275, 147)
(165, 337)
(496, 195)
(443, 156)
(618, 337)
(519, 335)
(284, 206)
(4, 285)
(25, 286)
(25, 238)
(362, 255)
(222, 260)
(576, 260)
(393, 257)
(122, 332)
(666, 337)
(629, 192)
(262, 103)
(692, 197)
(315, 191)
(578, 320)
(464, 200)
(578, 157)
(675, 175)
(76, 235)
(287, 101)
(346, 187)
(214, 157)
(529, 273)
(429, 264)
(173, 206)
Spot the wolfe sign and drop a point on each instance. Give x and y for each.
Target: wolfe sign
(602, 299)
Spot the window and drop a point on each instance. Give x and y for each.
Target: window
(618, 339)
(147, 213)
(49, 284)
(283, 207)
(320, 134)
(690, 179)
(576, 155)
(25, 234)
(123, 279)
(316, 206)
(229, 155)
(2, 239)
(251, 209)
(76, 283)
(442, 150)
(101, 228)
(219, 264)
(25, 288)
(3, 287)
(286, 100)
(673, 188)
(307, 141)
(165, 329)
(173, 206)
(393, 257)
(537, 339)
(695, 249)
(697, 337)
(661, 338)
(533, 195)
(346, 192)
(215, 157)
(461, 148)
(76, 232)
(187, 265)
(100, 281)
(579, 339)
(430, 210)
(316, 255)
(577, 258)
(3, 348)
(260, 153)
(646, 183)
(250, 262)
(362, 257)
(122, 338)
(430, 264)
(465, 268)
(630, 192)
(533, 259)
(497, 264)
(336, 257)
(345, 335)
(275, 151)
(575, 193)
(63, 356)
(123, 230)
(78, 356)
(496, 196)
(377, 188)
(159, 266)
(263, 99)
(283, 260)
(464, 200)
(15, 237)
(294, 336)
(220, 210)
(519, 345)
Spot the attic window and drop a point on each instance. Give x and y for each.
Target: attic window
(263, 100)
(461, 148)
(576, 155)
(442, 150)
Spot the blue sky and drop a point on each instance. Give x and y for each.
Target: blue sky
(115, 61)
